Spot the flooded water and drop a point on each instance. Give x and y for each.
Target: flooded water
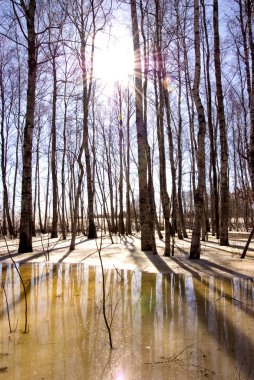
(163, 327)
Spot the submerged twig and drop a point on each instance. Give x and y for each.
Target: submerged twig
(172, 358)
(176, 358)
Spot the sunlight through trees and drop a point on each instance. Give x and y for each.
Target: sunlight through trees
(129, 117)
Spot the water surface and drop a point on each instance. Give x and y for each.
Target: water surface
(163, 327)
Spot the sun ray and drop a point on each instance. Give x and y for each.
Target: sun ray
(114, 60)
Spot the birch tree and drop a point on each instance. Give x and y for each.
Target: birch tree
(199, 192)
(224, 199)
(146, 217)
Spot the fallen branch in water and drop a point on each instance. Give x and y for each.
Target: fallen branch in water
(233, 299)
(177, 359)
(172, 358)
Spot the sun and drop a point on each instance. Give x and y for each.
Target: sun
(114, 59)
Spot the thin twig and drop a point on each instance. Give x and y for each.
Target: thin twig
(103, 293)
(49, 249)
(173, 357)
(119, 274)
(176, 358)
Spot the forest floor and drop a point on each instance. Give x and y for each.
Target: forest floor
(125, 253)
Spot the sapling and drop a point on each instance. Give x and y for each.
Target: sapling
(104, 293)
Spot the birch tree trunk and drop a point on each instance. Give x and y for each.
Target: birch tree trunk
(183, 232)
(54, 232)
(213, 150)
(146, 219)
(251, 45)
(26, 221)
(128, 202)
(224, 201)
(145, 37)
(3, 157)
(199, 192)
(86, 60)
(120, 127)
(159, 103)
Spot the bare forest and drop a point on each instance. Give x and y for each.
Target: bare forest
(127, 149)
(158, 141)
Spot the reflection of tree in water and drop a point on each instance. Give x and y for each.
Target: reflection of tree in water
(223, 321)
(195, 333)
(147, 318)
(162, 326)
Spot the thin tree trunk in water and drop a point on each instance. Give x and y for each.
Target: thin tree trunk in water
(26, 221)
(146, 222)
(224, 204)
(199, 193)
